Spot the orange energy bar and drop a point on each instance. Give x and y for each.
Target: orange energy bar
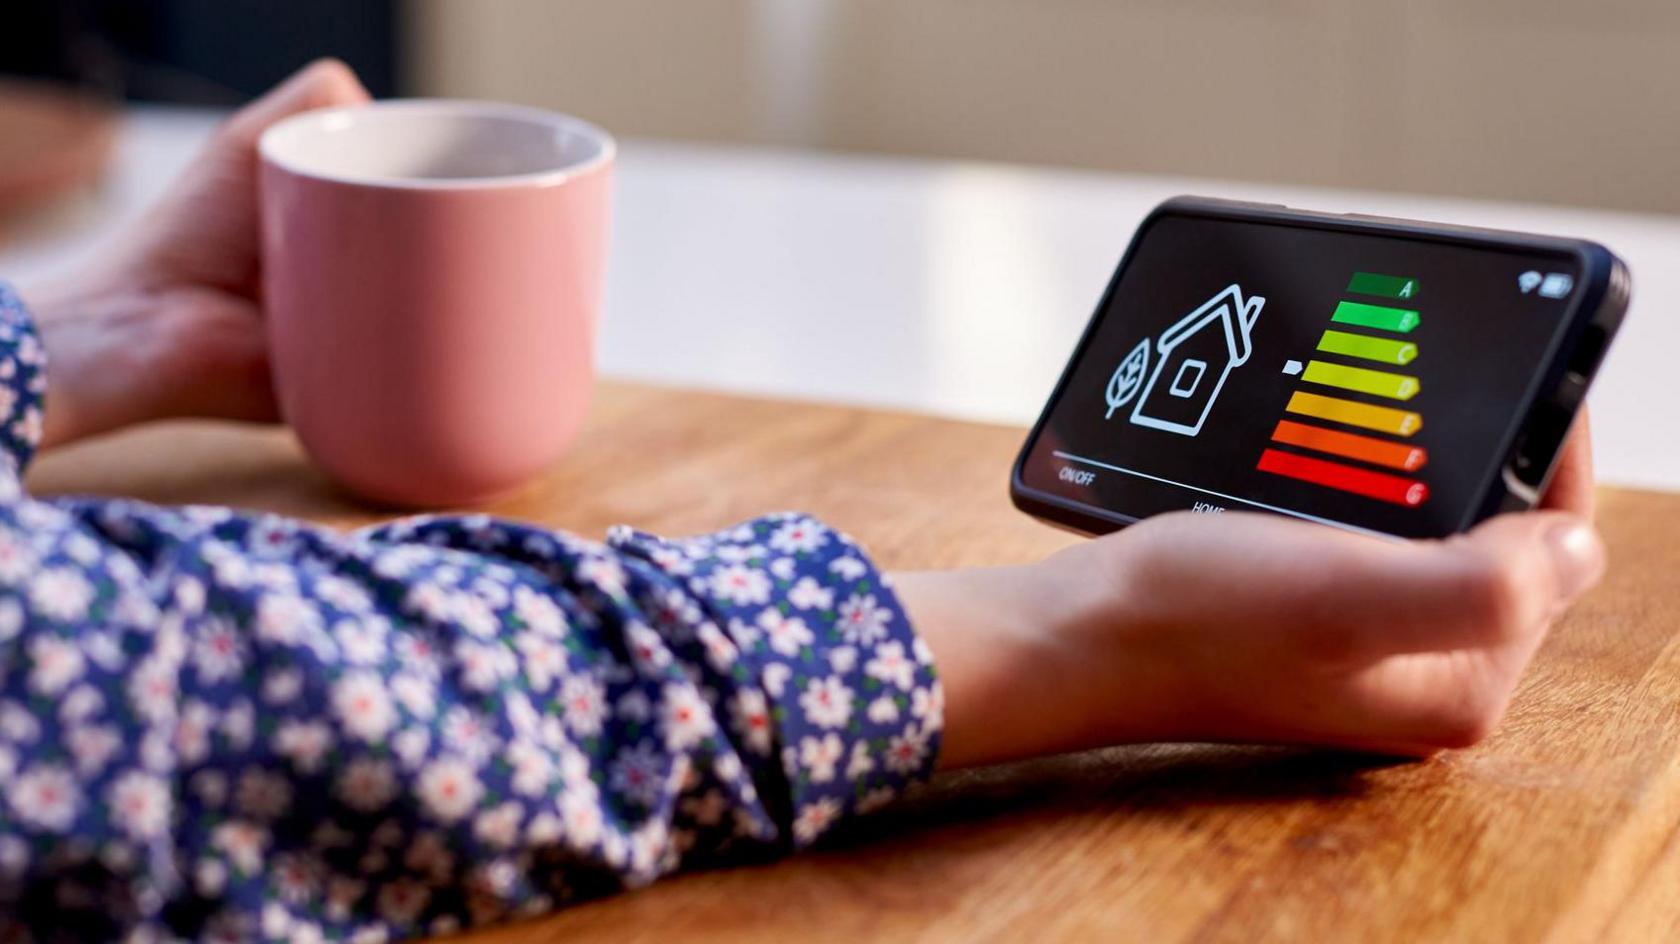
(1351, 445)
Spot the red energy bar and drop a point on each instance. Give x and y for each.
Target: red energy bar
(1378, 485)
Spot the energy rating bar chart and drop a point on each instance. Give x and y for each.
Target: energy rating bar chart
(1365, 347)
(1388, 286)
(1381, 452)
(1379, 485)
(1379, 383)
(1383, 419)
(1381, 317)
(1376, 345)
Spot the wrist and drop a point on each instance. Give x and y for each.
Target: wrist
(1034, 661)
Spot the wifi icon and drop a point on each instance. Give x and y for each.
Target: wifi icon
(1528, 281)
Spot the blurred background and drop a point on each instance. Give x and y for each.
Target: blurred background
(1554, 101)
(915, 203)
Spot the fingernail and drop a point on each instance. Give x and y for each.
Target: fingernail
(1577, 556)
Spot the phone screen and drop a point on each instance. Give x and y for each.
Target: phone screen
(1368, 381)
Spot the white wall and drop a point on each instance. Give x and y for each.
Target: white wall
(1546, 100)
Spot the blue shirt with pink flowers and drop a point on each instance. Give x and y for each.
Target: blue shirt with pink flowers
(221, 724)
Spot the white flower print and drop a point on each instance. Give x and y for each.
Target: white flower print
(807, 594)
(892, 666)
(362, 640)
(583, 704)
(861, 762)
(262, 795)
(46, 796)
(140, 805)
(151, 689)
(61, 593)
(499, 827)
(469, 733)
(848, 568)
(17, 560)
(410, 746)
(56, 663)
(883, 710)
(776, 676)
(415, 693)
(532, 769)
(786, 634)
(929, 705)
(752, 719)
(543, 659)
(646, 647)
(18, 723)
(474, 615)
(842, 659)
(363, 706)
(637, 773)
(863, 620)
(906, 752)
(820, 755)
(783, 568)
(448, 789)
(192, 731)
(539, 612)
(346, 595)
(92, 747)
(286, 618)
(827, 702)
(685, 716)
(218, 652)
(801, 535)
(484, 665)
(741, 585)
(11, 619)
(815, 818)
(634, 706)
(304, 743)
(238, 724)
(604, 573)
(242, 842)
(282, 686)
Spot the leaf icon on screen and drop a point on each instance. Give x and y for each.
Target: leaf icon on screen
(1128, 378)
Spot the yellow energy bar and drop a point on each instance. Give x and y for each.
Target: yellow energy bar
(1377, 382)
(1368, 416)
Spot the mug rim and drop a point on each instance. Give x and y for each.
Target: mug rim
(607, 147)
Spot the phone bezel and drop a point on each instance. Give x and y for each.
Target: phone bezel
(1530, 441)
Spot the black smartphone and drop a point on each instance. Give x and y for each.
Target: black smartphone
(1407, 379)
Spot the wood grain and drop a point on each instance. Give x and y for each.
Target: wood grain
(1564, 827)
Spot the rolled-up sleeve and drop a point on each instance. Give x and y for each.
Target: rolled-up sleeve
(215, 723)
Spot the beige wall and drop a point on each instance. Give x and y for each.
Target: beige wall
(1550, 100)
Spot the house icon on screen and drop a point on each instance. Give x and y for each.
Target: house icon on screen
(1193, 358)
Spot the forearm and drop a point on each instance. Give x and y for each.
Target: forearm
(1022, 677)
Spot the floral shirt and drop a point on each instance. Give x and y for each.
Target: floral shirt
(219, 724)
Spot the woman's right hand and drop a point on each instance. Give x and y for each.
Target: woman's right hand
(1248, 627)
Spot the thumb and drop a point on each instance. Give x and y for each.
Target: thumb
(1541, 561)
(321, 84)
(205, 231)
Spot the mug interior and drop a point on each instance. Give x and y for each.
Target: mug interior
(435, 143)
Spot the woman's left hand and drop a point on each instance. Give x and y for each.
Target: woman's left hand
(170, 323)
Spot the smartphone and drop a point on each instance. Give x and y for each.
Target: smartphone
(1401, 378)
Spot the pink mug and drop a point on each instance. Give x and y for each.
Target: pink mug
(432, 275)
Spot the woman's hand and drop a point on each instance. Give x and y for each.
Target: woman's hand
(1245, 627)
(170, 324)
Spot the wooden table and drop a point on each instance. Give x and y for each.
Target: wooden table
(1562, 827)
